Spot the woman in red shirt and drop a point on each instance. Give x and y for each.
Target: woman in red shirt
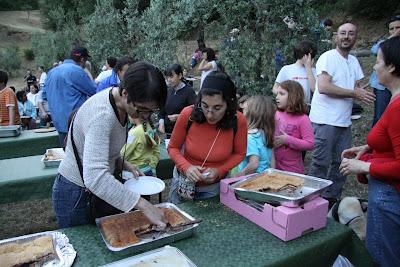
(380, 159)
(208, 140)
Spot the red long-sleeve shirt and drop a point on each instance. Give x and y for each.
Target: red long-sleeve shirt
(384, 140)
(226, 154)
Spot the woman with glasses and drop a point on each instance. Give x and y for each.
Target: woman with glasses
(208, 140)
(378, 164)
(97, 133)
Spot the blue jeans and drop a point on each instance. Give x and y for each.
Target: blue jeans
(330, 141)
(70, 203)
(383, 223)
(381, 101)
(205, 192)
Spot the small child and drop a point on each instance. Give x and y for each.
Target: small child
(27, 111)
(259, 112)
(142, 147)
(293, 132)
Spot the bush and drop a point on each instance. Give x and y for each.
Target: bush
(28, 54)
(10, 59)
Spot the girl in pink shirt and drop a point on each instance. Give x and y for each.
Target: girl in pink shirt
(293, 131)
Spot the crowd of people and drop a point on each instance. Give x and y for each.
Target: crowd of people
(214, 134)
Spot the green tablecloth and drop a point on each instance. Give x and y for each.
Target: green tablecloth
(224, 238)
(28, 143)
(24, 179)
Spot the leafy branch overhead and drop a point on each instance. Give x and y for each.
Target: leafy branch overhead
(152, 30)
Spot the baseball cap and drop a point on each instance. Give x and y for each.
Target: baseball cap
(80, 52)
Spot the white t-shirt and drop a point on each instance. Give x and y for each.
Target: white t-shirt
(204, 73)
(33, 98)
(103, 75)
(42, 79)
(345, 73)
(296, 73)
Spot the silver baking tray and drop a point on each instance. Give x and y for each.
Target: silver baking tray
(312, 188)
(10, 131)
(163, 257)
(65, 252)
(58, 153)
(154, 239)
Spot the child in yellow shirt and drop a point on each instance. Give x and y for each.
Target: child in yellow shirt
(142, 147)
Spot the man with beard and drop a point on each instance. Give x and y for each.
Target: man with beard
(338, 83)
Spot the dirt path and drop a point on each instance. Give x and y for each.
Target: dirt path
(18, 21)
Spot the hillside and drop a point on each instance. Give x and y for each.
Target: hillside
(16, 30)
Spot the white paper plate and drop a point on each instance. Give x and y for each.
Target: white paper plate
(145, 185)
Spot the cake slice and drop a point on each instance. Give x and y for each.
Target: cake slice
(21, 253)
(273, 182)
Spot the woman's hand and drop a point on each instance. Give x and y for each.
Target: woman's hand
(173, 117)
(355, 152)
(133, 169)
(210, 175)
(154, 214)
(193, 173)
(354, 166)
(307, 61)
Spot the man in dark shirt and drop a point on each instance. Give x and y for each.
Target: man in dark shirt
(180, 95)
(30, 79)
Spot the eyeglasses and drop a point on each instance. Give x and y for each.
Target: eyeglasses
(145, 111)
(207, 109)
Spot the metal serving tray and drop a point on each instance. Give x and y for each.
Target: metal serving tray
(312, 188)
(163, 257)
(58, 153)
(153, 239)
(10, 131)
(65, 253)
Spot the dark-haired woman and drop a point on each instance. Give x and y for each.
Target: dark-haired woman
(209, 139)
(180, 95)
(99, 131)
(380, 159)
(208, 64)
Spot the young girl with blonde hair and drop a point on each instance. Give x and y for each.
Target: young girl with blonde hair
(259, 112)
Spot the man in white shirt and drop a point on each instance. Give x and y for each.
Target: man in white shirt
(110, 64)
(338, 83)
(42, 77)
(301, 71)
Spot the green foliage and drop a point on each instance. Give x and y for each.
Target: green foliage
(10, 59)
(152, 32)
(72, 10)
(104, 32)
(11, 5)
(52, 47)
(373, 9)
(158, 33)
(28, 54)
(263, 32)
